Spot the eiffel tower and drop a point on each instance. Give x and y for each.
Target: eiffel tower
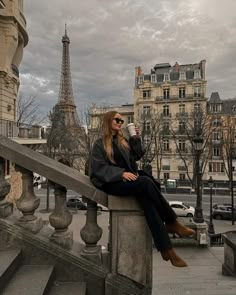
(65, 99)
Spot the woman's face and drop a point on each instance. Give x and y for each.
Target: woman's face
(116, 123)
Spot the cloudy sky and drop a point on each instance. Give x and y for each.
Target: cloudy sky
(109, 38)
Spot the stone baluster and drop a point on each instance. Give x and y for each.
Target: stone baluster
(60, 219)
(5, 207)
(91, 234)
(28, 202)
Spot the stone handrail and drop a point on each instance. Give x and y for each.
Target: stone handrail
(129, 267)
(51, 169)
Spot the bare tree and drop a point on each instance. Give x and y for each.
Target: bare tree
(196, 124)
(28, 111)
(152, 135)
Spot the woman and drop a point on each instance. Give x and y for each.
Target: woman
(114, 170)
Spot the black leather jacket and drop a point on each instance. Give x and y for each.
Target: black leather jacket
(102, 170)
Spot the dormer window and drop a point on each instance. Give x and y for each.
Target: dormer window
(167, 77)
(153, 78)
(197, 74)
(139, 79)
(182, 76)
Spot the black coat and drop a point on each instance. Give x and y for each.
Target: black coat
(102, 170)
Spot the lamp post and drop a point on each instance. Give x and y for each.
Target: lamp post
(198, 215)
(211, 229)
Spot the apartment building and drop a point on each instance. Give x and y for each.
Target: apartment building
(171, 94)
(222, 159)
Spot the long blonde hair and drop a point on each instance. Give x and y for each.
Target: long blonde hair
(107, 135)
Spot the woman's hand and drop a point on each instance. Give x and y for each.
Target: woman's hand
(129, 176)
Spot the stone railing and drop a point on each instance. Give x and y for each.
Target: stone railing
(129, 267)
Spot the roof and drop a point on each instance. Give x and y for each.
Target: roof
(215, 98)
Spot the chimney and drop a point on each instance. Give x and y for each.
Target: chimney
(176, 66)
(203, 68)
(138, 71)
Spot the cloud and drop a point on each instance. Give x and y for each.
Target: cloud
(110, 38)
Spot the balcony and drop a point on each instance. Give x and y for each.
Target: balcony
(177, 97)
(182, 115)
(166, 115)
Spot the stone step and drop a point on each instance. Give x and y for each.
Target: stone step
(10, 261)
(30, 280)
(68, 288)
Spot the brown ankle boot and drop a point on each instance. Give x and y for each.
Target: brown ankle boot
(180, 229)
(174, 258)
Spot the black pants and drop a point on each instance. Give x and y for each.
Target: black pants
(157, 210)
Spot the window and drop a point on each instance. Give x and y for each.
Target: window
(166, 77)
(140, 79)
(166, 110)
(153, 78)
(130, 119)
(182, 76)
(197, 91)
(166, 145)
(197, 74)
(146, 127)
(216, 122)
(166, 93)
(216, 136)
(182, 146)
(166, 176)
(166, 127)
(181, 126)
(146, 110)
(196, 107)
(181, 92)
(215, 108)
(216, 152)
(182, 176)
(146, 93)
(146, 141)
(182, 108)
(216, 167)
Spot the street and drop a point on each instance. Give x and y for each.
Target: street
(187, 198)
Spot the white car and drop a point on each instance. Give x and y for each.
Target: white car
(182, 209)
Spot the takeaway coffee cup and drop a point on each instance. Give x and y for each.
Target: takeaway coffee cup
(131, 129)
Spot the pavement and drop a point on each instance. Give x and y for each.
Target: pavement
(202, 276)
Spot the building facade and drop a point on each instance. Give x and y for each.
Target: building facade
(13, 38)
(170, 94)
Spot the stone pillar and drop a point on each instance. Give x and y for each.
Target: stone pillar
(130, 247)
(5, 207)
(28, 202)
(60, 219)
(91, 234)
(229, 265)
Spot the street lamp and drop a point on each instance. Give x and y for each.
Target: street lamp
(198, 215)
(211, 229)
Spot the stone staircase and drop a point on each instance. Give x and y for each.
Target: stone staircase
(22, 279)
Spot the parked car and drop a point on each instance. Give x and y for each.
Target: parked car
(79, 204)
(182, 209)
(223, 211)
(76, 203)
(38, 179)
